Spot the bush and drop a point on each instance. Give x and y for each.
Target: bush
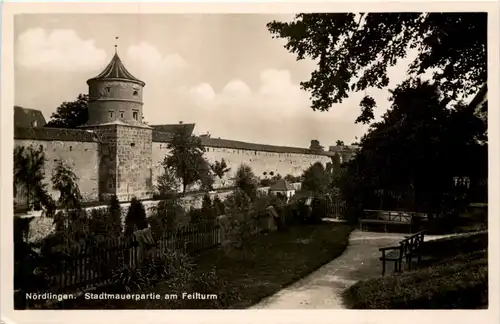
(136, 217)
(265, 182)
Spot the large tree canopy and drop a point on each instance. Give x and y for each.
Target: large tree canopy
(355, 50)
(71, 114)
(416, 150)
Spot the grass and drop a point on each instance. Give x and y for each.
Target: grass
(267, 263)
(446, 279)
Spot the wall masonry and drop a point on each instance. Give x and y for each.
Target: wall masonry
(82, 157)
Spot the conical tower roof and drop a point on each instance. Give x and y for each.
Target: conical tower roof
(116, 71)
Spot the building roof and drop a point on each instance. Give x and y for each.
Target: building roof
(281, 185)
(173, 128)
(116, 71)
(224, 143)
(54, 134)
(26, 117)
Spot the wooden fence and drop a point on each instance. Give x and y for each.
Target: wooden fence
(86, 267)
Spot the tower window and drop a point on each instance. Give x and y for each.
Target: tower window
(132, 144)
(108, 89)
(135, 115)
(121, 114)
(110, 114)
(136, 92)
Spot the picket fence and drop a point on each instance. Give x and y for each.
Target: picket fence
(85, 267)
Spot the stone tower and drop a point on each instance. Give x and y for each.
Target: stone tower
(115, 114)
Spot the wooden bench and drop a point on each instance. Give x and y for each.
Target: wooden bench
(407, 249)
(387, 217)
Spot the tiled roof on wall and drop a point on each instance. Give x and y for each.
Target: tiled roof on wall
(54, 134)
(218, 142)
(26, 117)
(172, 128)
(224, 143)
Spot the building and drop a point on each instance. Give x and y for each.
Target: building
(282, 188)
(116, 153)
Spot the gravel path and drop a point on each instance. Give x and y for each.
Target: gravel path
(322, 289)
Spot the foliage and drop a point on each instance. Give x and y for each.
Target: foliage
(220, 168)
(218, 205)
(410, 157)
(239, 224)
(71, 114)
(207, 208)
(186, 161)
(316, 178)
(66, 182)
(246, 181)
(339, 143)
(129, 279)
(266, 182)
(168, 183)
(355, 50)
(29, 172)
(136, 217)
(115, 217)
(292, 179)
(165, 217)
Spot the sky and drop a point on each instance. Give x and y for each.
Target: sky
(223, 72)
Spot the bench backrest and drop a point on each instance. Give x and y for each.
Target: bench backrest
(413, 242)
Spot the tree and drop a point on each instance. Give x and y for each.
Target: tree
(412, 155)
(218, 206)
(71, 114)
(355, 50)
(66, 182)
(220, 168)
(136, 217)
(339, 143)
(316, 179)
(207, 208)
(246, 181)
(29, 173)
(168, 183)
(186, 160)
(115, 217)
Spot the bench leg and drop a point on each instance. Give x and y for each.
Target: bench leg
(383, 268)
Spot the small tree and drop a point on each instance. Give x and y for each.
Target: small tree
(29, 165)
(207, 207)
(136, 217)
(186, 159)
(316, 179)
(115, 217)
(239, 223)
(168, 183)
(246, 181)
(220, 168)
(218, 205)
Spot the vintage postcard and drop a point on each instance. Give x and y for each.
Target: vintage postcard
(319, 158)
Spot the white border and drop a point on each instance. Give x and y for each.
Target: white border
(243, 316)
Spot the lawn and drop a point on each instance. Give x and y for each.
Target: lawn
(453, 275)
(267, 263)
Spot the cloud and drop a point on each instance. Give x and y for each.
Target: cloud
(147, 60)
(59, 50)
(202, 94)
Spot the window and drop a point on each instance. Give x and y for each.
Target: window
(121, 114)
(135, 115)
(110, 114)
(136, 92)
(108, 89)
(132, 144)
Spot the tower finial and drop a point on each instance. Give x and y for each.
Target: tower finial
(116, 46)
